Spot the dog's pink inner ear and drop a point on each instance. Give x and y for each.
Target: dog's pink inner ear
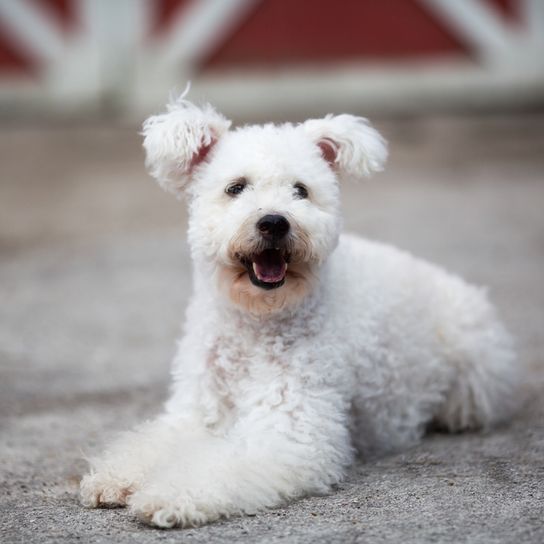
(200, 155)
(329, 150)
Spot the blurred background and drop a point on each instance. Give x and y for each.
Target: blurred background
(270, 58)
(94, 269)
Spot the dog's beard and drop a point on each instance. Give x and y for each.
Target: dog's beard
(264, 277)
(236, 284)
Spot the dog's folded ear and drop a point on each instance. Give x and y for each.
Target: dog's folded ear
(177, 141)
(349, 144)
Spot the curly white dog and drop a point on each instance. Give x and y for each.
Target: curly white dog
(302, 345)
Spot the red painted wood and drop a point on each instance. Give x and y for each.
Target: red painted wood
(164, 11)
(280, 32)
(283, 32)
(508, 8)
(13, 61)
(63, 10)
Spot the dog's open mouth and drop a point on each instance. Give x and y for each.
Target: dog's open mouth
(267, 269)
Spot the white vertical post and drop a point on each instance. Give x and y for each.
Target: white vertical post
(169, 62)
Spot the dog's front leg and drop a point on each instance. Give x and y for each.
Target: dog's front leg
(270, 455)
(123, 467)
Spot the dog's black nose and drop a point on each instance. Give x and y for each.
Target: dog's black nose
(273, 227)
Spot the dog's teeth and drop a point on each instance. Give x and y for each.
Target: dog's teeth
(254, 268)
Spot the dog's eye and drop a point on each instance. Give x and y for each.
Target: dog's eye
(301, 191)
(237, 187)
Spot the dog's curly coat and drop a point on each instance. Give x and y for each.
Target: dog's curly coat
(301, 345)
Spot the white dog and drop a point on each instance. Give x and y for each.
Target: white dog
(302, 345)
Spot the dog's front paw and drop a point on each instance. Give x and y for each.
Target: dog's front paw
(160, 511)
(99, 490)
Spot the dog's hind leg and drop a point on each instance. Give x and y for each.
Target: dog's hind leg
(484, 388)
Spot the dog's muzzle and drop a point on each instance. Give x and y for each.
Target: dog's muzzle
(267, 268)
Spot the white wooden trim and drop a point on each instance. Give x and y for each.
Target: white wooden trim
(532, 14)
(113, 56)
(479, 24)
(416, 86)
(198, 29)
(31, 26)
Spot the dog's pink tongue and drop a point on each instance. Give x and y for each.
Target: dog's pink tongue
(269, 266)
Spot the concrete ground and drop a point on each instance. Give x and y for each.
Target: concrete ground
(94, 276)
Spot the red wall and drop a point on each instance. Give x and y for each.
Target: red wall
(286, 32)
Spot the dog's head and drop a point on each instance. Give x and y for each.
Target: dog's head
(263, 200)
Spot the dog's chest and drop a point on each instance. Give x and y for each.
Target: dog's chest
(242, 373)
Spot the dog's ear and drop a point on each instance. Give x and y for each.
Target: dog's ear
(349, 144)
(177, 141)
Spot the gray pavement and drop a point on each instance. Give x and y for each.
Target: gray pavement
(94, 276)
